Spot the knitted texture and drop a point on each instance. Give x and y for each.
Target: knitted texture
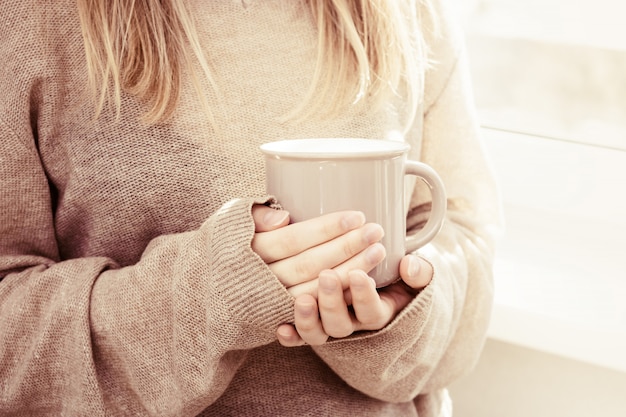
(128, 285)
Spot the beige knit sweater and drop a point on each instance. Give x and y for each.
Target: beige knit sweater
(127, 281)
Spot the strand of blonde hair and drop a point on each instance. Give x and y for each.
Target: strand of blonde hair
(140, 46)
(367, 49)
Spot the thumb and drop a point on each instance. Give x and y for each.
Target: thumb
(416, 272)
(267, 218)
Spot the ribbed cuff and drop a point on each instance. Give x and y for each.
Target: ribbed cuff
(248, 287)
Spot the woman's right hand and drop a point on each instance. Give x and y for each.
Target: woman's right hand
(297, 253)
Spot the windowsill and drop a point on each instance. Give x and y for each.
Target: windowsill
(560, 267)
(557, 292)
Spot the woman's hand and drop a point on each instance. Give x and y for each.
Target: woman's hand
(329, 315)
(297, 253)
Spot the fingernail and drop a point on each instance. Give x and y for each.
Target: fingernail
(305, 309)
(353, 220)
(414, 267)
(275, 217)
(284, 333)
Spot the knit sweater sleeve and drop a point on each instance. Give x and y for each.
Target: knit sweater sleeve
(82, 335)
(161, 337)
(175, 327)
(439, 336)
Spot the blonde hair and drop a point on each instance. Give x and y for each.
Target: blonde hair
(366, 48)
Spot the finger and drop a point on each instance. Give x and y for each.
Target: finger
(267, 218)
(336, 319)
(307, 265)
(365, 261)
(288, 241)
(416, 272)
(288, 336)
(307, 321)
(371, 313)
(395, 297)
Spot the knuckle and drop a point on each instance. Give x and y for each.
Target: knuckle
(360, 298)
(306, 327)
(331, 305)
(305, 266)
(288, 242)
(336, 224)
(351, 247)
(330, 230)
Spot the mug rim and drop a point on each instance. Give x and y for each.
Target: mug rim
(317, 148)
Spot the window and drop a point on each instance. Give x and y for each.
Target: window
(550, 87)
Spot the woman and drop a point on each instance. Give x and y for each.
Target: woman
(143, 271)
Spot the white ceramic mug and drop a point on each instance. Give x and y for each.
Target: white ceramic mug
(311, 177)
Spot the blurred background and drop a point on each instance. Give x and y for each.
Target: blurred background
(550, 86)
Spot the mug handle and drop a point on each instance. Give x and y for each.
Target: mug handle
(438, 209)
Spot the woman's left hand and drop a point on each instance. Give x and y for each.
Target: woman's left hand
(330, 316)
